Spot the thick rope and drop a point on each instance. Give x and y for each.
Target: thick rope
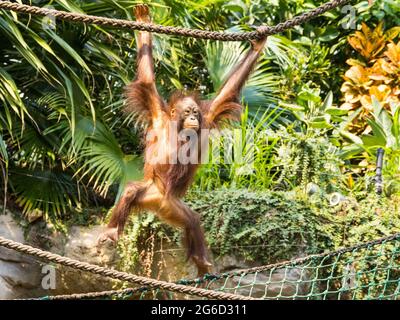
(90, 295)
(177, 31)
(123, 276)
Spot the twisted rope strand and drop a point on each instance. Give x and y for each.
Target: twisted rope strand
(89, 295)
(123, 276)
(177, 31)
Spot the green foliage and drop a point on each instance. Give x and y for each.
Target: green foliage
(221, 58)
(97, 150)
(312, 112)
(48, 80)
(382, 10)
(384, 133)
(277, 156)
(56, 79)
(136, 237)
(251, 164)
(372, 217)
(265, 227)
(261, 226)
(305, 159)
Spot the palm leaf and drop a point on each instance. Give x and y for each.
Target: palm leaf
(221, 58)
(103, 161)
(51, 191)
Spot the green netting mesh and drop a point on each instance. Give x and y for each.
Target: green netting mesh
(369, 271)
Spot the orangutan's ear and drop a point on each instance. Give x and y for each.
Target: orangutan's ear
(172, 112)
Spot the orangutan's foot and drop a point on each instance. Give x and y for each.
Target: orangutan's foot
(108, 234)
(203, 265)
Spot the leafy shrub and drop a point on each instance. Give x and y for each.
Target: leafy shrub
(273, 155)
(385, 133)
(260, 227)
(266, 227)
(367, 219)
(375, 74)
(263, 227)
(375, 268)
(305, 158)
(136, 247)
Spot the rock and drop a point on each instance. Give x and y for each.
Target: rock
(281, 283)
(228, 263)
(81, 244)
(265, 284)
(20, 275)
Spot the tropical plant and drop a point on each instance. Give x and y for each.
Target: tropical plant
(313, 113)
(222, 57)
(241, 156)
(49, 73)
(375, 74)
(307, 158)
(61, 84)
(385, 133)
(267, 153)
(381, 10)
(61, 94)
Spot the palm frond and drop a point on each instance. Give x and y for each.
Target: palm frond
(51, 191)
(103, 161)
(220, 59)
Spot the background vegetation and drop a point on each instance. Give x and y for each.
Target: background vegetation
(324, 97)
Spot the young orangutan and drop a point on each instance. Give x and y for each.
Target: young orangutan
(166, 181)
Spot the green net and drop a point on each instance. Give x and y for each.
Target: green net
(366, 271)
